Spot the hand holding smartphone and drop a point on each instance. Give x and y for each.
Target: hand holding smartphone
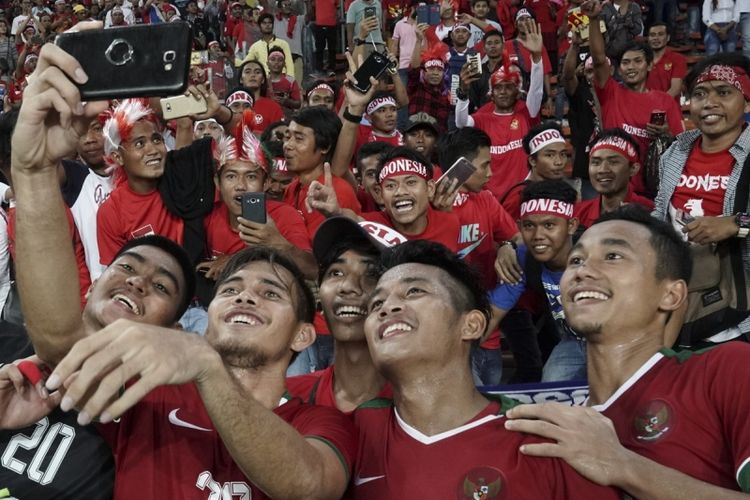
(375, 65)
(254, 207)
(462, 169)
(658, 117)
(182, 105)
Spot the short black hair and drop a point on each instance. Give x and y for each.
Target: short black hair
(464, 142)
(538, 129)
(264, 85)
(305, 302)
(549, 189)
(264, 16)
(357, 244)
(265, 137)
(659, 24)
(721, 59)
(466, 287)
(179, 254)
(490, 33)
(619, 133)
(633, 46)
(325, 124)
(404, 152)
(275, 148)
(474, 2)
(314, 83)
(368, 149)
(673, 257)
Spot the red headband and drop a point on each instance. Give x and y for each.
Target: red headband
(378, 103)
(619, 145)
(733, 75)
(322, 86)
(240, 96)
(402, 166)
(545, 206)
(501, 75)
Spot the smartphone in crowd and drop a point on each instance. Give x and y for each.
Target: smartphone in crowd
(476, 62)
(683, 218)
(132, 61)
(254, 207)
(182, 105)
(369, 12)
(462, 169)
(658, 117)
(434, 10)
(375, 65)
(423, 14)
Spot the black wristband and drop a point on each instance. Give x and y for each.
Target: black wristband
(350, 117)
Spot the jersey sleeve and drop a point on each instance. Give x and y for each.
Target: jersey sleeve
(607, 93)
(680, 66)
(109, 237)
(346, 195)
(506, 295)
(728, 387)
(334, 429)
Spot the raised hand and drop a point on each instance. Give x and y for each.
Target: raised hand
(23, 397)
(533, 40)
(322, 197)
(354, 98)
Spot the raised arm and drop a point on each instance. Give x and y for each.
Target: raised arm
(50, 122)
(569, 79)
(534, 44)
(593, 9)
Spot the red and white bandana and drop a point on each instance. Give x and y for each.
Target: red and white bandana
(323, 87)
(544, 139)
(505, 75)
(240, 96)
(434, 63)
(545, 206)
(619, 145)
(402, 166)
(733, 75)
(378, 103)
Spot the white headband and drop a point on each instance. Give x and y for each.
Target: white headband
(378, 103)
(544, 139)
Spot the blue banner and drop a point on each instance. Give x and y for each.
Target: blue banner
(571, 393)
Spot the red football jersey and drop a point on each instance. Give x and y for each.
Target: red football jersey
(267, 111)
(127, 215)
(223, 240)
(296, 194)
(703, 182)
(688, 411)
(167, 447)
(631, 111)
(317, 388)
(442, 227)
(587, 211)
(479, 459)
(509, 160)
(671, 65)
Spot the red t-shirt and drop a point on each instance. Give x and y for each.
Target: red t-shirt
(127, 215)
(167, 447)
(588, 211)
(703, 182)
(688, 411)
(479, 459)
(296, 194)
(442, 227)
(509, 160)
(288, 86)
(266, 111)
(317, 388)
(671, 65)
(526, 55)
(223, 240)
(326, 12)
(365, 134)
(631, 111)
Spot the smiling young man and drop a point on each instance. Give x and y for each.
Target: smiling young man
(624, 289)
(670, 67)
(439, 436)
(613, 161)
(382, 112)
(630, 105)
(547, 226)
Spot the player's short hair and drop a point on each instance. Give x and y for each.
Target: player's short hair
(659, 24)
(404, 152)
(619, 133)
(464, 142)
(463, 281)
(474, 2)
(536, 130)
(721, 59)
(673, 257)
(633, 46)
(304, 303)
(490, 33)
(264, 16)
(179, 254)
(325, 124)
(355, 243)
(368, 149)
(549, 189)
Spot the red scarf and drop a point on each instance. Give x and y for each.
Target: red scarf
(290, 26)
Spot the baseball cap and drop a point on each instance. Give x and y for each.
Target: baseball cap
(335, 229)
(422, 120)
(524, 12)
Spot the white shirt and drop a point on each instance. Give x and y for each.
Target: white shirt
(726, 12)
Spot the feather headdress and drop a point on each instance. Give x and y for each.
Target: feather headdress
(120, 124)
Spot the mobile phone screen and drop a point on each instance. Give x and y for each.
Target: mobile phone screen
(462, 169)
(375, 65)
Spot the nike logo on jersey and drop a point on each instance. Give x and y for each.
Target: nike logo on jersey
(466, 251)
(359, 481)
(175, 420)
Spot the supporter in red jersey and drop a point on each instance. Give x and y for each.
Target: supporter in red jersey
(232, 20)
(381, 111)
(669, 67)
(507, 124)
(286, 90)
(241, 168)
(267, 111)
(369, 192)
(309, 143)
(279, 176)
(547, 156)
(425, 313)
(348, 254)
(630, 105)
(137, 206)
(613, 161)
(520, 55)
(623, 289)
(427, 85)
(322, 93)
(485, 227)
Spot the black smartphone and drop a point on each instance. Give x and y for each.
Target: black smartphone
(150, 60)
(658, 117)
(434, 14)
(462, 169)
(375, 65)
(423, 14)
(254, 207)
(369, 12)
